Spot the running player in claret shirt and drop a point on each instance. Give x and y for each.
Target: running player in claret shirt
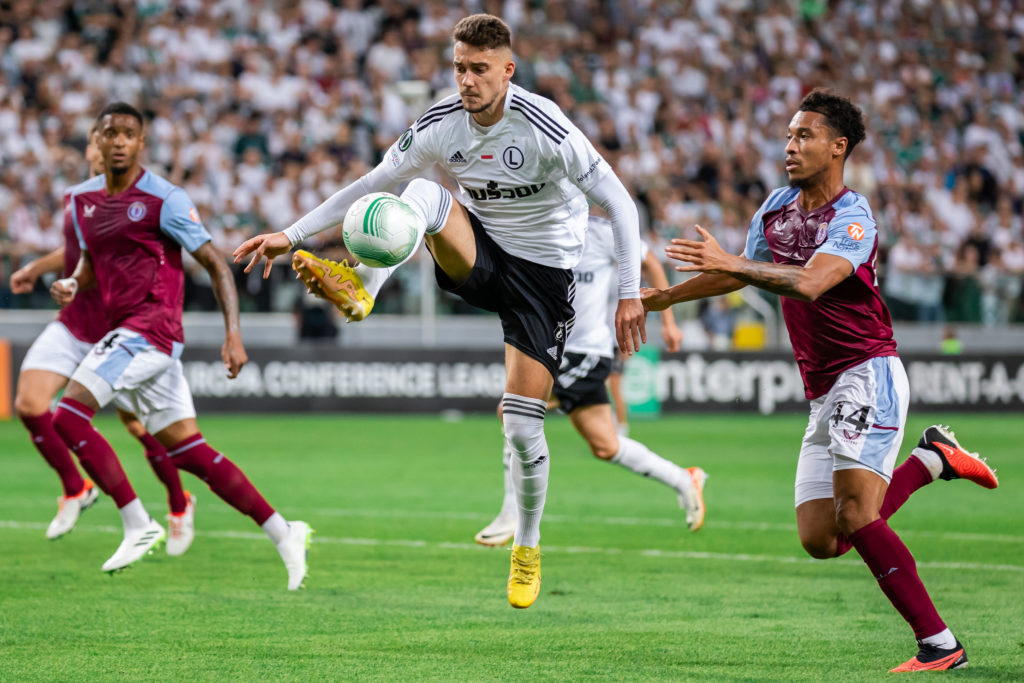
(814, 243)
(131, 227)
(49, 364)
(508, 245)
(580, 391)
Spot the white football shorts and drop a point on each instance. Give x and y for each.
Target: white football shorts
(56, 350)
(124, 365)
(858, 424)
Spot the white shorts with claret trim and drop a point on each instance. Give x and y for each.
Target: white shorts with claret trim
(124, 365)
(858, 424)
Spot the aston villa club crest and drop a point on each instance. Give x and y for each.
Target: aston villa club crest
(819, 237)
(136, 211)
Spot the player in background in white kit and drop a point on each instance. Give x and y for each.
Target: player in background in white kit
(508, 245)
(580, 391)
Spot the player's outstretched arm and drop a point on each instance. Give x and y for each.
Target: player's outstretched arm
(328, 215)
(805, 283)
(24, 279)
(232, 353)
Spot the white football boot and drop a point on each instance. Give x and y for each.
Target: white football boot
(182, 527)
(135, 545)
(500, 531)
(691, 497)
(293, 550)
(69, 508)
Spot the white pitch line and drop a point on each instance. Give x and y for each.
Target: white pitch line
(672, 521)
(571, 550)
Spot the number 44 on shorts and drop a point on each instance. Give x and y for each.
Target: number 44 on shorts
(860, 418)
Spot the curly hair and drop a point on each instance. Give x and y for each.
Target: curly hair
(483, 31)
(841, 115)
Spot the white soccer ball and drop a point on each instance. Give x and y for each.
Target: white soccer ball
(380, 230)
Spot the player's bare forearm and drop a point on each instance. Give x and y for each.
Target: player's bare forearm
(23, 279)
(783, 280)
(223, 285)
(701, 287)
(84, 272)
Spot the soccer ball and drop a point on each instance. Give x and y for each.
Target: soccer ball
(381, 230)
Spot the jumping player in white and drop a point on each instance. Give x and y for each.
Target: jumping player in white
(508, 245)
(580, 390)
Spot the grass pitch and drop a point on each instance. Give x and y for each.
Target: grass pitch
(398, 591)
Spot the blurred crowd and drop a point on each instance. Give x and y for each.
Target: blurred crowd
(263, 109)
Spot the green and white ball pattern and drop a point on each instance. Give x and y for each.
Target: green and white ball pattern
(380, 230)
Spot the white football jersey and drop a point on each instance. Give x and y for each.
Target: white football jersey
(524, 177)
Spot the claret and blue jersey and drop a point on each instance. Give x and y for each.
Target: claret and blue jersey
(134, 239)
(849, 323)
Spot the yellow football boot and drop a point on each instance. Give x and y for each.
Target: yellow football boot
(524, 577)
(335, 282)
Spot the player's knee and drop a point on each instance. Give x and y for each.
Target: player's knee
(851, 515)
(29, 405)
(524, 435)
(603, 449)
(819, 548)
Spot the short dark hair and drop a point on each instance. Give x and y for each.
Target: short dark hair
(120, 108)
(484, 31)
(841, 115)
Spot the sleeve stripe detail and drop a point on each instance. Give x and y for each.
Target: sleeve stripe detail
(557, 140)
(432, 117)
(439, 106)
(539, 118)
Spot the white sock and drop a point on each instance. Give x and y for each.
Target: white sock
(508, 503)
(432, 203)
(930, 459)
(276, 528)
(635, 456)
(133, 515)
(945, 640)
(622, 428)
(523, 420)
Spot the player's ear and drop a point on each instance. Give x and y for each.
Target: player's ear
(839, 146)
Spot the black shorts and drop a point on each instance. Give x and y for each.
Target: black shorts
(533, 301)
(580, 381)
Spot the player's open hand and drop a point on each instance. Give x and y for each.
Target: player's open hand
(705, 257)
(267, 246)
(630, 327)
(233, 354)
(23, 280)
(63, 291)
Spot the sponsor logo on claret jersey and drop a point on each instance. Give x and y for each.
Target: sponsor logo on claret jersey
(494, 192)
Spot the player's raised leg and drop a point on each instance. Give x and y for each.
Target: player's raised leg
(36, 388)
(188, 450)
(73, 422)
(181, 504)
(353, 289)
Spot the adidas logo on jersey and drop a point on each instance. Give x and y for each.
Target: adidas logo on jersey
(553, 352)
(457, 158)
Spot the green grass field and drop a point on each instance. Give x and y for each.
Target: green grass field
(398, 591)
